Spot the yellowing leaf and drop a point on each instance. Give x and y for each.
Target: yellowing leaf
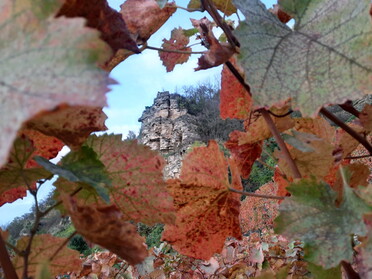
(138, 188)
(106, 226)
(177, 41)
(43, 247)
(207, 212)
(225, 6)
(144, 17)
(47, 61)
(325, 58)
(312, 216)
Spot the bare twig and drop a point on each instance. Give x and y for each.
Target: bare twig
(255, 195)
(5, 261)
(62, 245)
(274, 131)
(347, 129)
(175, 51)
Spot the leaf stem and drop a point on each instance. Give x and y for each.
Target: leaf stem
(210, 8)
(347, 129)
(175, 51)
(238, 76)
(5, 261)
(274, 131)
(348, 106)
(256, 195)
(358, 157)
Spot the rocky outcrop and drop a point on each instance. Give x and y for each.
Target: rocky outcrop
(168, 128)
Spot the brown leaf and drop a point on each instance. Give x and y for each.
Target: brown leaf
(144, 17)
(218, 53)
(42, 249)
(282, 16)
(71, 124)
(366, 117)
(235, 101)
(109, 22)
(177, 41)
(106, 226)
(206, 211)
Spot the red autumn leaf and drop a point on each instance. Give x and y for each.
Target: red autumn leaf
(71, 124)
(282, 16)
(109, 22)
(245, 155)
(138, 188)
(281, 183)
(52, 61)
(21, 170)
(258, 213)
(177, 41)
(207, 212)
(218, 53)
(235, 101)
(43, 247)
(144, 17)
(107, 227)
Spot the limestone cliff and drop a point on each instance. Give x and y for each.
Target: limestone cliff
(168, 128)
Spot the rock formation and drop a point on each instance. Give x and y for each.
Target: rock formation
(168, 128)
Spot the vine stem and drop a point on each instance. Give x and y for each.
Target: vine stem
(256, 195)
(274, 131)
(347, 129)
(358, 157)
(174, 50)
(348, 106)
(237, 75)
(349, 270)
(5, 261)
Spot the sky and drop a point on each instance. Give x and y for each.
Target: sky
(140, 77)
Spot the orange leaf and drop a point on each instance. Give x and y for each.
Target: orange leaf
(366, 117)
(207, 212)
(71, 124)
(218, 53)
(144, 17)
(177, 41)
(42, 249)
(235, 101)
(138, 188)
(106, 226)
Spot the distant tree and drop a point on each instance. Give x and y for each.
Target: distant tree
(131, 135)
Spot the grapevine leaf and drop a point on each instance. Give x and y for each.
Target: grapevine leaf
(326, 58)
(82, 166)
(144, 17)
(42, 249)
(61, 57)
(207, 212)
(312, 216)
(100, 16)
(366, 117)
(71, 124)
(177, 41)
(21, 171)
(258, 213)
(106, 226)
(235, 101)
(245, 155)
(364, 256)
(225, 6)
(138, 188)
(317, 163)
(218, 53)
(42, 272)
(321, 273)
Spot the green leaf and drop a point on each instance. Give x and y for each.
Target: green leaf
(190, 32)
(46, 61)
(82, 166)
(312, 216)
(326, 58)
